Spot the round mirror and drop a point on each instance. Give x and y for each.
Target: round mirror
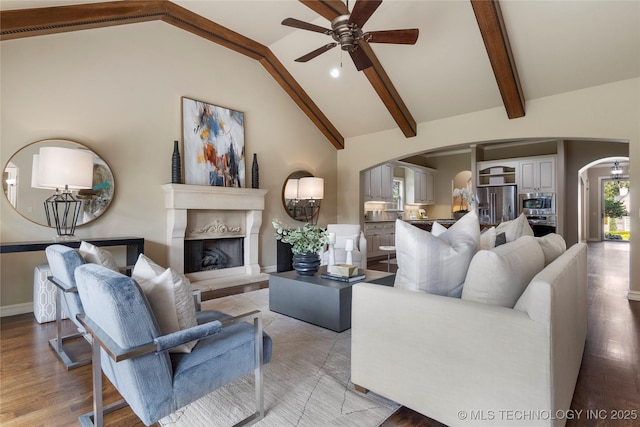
(299, 206)
(21, 189)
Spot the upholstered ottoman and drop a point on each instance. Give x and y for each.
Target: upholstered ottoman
(44, 295)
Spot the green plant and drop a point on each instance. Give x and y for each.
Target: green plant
(305, 239)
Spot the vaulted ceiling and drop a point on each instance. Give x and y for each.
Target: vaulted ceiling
(470, 55)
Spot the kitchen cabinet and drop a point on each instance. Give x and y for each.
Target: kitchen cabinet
(379, 234)
(537, 175)
(378, 184)
(497, 172)
(420, 186)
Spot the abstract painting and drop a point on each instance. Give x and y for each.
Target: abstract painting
(213, 144)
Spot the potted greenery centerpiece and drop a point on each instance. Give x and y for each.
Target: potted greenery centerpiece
(306, 243)
(465, 196)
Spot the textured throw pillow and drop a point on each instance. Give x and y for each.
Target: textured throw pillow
(500, 275)
(488, 238)
(553, 245)
(515, 228)
(95, 255)
(436, 264)
(170, 298)
(501, 239)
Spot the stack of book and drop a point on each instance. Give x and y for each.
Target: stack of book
(343, 273)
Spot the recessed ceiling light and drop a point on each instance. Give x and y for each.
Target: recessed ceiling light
(335, 72)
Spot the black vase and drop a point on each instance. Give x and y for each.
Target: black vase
(255, 176)
(176, 171)
(306, 264)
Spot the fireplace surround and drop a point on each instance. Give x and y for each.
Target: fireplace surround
(203, 214)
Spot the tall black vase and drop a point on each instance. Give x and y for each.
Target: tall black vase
(176, 168)
(255, 175)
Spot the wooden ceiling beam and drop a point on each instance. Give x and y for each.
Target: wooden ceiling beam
(52, 20)
(376, 74)
(328, 9)
(496, 41)
(388, 94)
(61, 19)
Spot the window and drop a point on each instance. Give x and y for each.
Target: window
(398, 193)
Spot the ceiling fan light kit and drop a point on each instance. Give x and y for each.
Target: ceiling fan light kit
(347, 31)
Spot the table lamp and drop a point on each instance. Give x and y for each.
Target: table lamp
(64, 169)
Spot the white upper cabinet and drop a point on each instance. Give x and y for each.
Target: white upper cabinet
(537, 175)
(420, 186)
(378, 183)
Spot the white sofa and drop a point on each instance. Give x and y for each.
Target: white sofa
(465, 362)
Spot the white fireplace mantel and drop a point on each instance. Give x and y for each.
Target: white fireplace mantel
(180, 199)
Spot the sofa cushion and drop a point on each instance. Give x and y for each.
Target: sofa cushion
(515, 228)
(95, 255)
(436, 265)
(500, 275)
(170, 298)
(553, 245)
(488, 238)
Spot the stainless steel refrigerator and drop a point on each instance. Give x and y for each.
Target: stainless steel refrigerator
(497, 204)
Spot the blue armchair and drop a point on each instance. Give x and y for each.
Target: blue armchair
(63, 261)
(129, 349)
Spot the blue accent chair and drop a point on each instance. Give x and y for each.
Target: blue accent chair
(128, 348)
(63, 261)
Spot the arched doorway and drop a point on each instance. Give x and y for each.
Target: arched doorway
(602, 201)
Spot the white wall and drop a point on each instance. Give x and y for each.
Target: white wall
(117, 90)
(604, 112)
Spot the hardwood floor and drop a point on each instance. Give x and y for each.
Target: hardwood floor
(36, 390)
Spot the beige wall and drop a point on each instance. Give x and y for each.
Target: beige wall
(603, 112)
(117, 90)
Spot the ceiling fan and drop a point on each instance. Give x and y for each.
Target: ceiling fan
(347, 31)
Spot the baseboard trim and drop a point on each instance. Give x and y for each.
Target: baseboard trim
(633, 295)
(15, 309)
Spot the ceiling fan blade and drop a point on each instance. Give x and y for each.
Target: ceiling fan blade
(362, 11)
(393, 36)
(360, 59)
(313, 54)
(296, 23)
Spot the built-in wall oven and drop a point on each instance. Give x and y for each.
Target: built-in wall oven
(540, 210)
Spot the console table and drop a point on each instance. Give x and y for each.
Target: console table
(135, 245)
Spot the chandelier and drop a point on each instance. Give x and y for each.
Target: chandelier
(616, 170)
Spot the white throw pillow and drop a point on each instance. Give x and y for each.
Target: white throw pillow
(500, 275)
(553, 245)
(488, 238)
(515, 228)
(170, 297)
(437, 229)
(436, 265)
(95, 255)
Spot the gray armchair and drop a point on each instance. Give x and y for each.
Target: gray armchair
(129, 349)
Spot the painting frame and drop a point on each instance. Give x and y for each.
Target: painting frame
(213, 144)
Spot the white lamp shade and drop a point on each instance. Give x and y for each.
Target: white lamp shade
(311, 188)
(65, 167)
(291, 189)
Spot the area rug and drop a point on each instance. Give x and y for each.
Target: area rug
(306, 384)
